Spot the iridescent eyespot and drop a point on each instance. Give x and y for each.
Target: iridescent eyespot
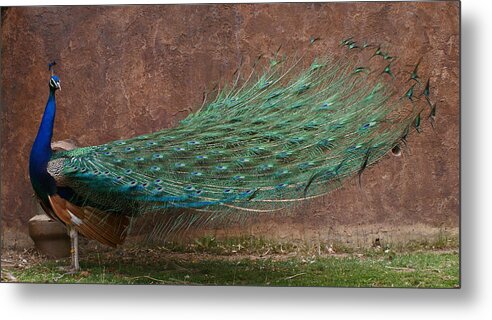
(326, 105)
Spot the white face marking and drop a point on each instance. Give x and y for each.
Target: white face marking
(76, 221)
(55, 84)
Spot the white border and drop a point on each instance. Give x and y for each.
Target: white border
(473, 301)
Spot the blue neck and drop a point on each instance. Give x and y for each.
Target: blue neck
(41, 180)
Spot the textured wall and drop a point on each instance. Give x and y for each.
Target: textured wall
(129, 70)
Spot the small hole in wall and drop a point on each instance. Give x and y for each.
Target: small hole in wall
(396, 151)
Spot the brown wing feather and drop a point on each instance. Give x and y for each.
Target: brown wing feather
(107, 228)
(48, 210)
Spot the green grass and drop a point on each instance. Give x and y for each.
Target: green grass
(212, 263)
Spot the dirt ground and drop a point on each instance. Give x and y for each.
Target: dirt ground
(21, 253)
(210, 262)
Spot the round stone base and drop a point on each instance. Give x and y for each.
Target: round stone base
(49, 236)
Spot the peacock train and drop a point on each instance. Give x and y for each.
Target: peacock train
(270, 139)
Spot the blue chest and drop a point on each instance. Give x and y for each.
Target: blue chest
(42, 182)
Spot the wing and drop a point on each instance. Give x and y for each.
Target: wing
(109, 229)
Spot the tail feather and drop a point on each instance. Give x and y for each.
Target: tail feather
(290, 133)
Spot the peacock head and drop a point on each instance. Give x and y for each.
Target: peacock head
(54, 80)
(55, 83)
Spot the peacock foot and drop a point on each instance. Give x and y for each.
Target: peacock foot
(69, 269)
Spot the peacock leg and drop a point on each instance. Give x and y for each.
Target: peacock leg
(74, 248)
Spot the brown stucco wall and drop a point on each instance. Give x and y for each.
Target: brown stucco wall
(128, 70)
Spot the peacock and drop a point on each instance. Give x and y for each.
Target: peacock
(272, 138)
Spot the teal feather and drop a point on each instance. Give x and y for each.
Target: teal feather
(261, 145)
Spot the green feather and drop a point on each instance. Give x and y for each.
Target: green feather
(293, 133)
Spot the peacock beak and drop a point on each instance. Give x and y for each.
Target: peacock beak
(58, 85)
